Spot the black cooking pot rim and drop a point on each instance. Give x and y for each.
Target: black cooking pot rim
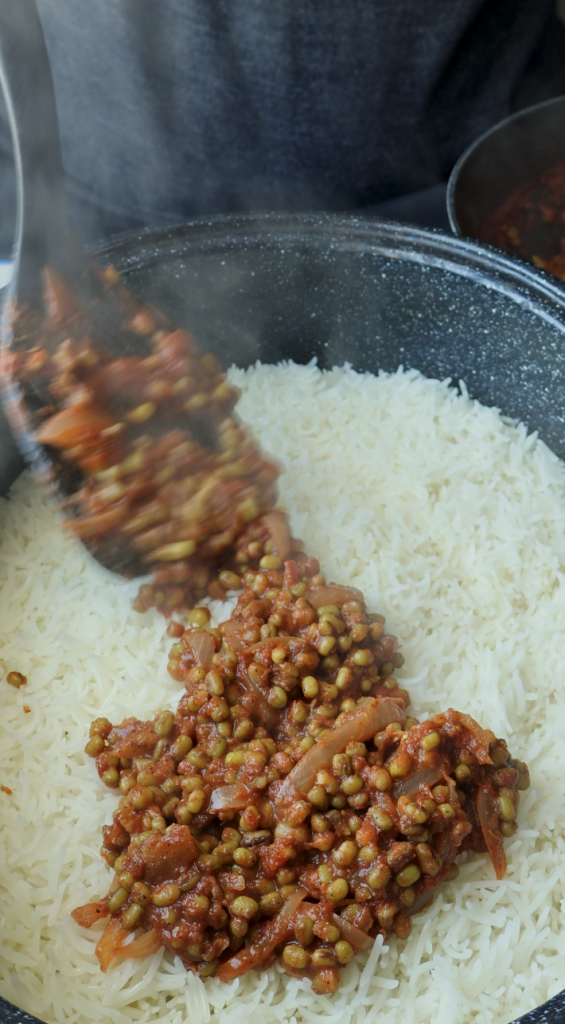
(527, 286)
(520, 115)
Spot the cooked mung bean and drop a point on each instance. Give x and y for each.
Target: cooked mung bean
(219, 782)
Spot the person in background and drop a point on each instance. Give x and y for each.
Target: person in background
(171, 109)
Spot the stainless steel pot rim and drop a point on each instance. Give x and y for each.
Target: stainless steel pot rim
(520, 115)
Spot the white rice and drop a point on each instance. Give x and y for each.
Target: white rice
(452, 521)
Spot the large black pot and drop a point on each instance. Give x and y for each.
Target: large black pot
(373, 293)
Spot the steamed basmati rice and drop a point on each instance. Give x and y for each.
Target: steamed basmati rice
(452, 521)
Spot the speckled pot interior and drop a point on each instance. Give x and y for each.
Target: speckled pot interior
(372, 293)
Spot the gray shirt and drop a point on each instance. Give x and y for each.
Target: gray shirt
(176, 108)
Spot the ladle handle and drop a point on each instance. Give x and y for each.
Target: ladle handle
(42, 232)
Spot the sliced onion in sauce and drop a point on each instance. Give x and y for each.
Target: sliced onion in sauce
(479, 741)
(145, 945)
(88, 914)
(201, 644)
(269, 936)
(267, 714)
(231, 632)
(370, 716)
(331, 593)
(360, 941)
(277, 525)
(109, 942)
(488, 818)
(230, 798)
(426, 776)
(75, 425)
